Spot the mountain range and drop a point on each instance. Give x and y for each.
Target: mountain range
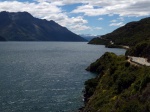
(22, 26)
(89, 37)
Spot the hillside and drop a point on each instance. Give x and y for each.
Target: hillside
(118, 87)
(142, 49)
(129, 35)
(22, 26)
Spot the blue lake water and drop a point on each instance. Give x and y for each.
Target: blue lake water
(45, 76)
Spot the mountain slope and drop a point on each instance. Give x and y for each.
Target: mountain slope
(142, 49)
(130, 34)
(22, 26)
(118, 87)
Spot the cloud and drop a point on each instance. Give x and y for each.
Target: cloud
(121, 8)
(89, 10)
(80, 27)
(79, 20)
(113, 21)
(37, 9)
(100, 19)
(117, 24)
(65, 2)
(120, 18)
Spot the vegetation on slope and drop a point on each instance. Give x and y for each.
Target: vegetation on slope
(140, 50)
(118, 87)
(98, 41)
(129, 35)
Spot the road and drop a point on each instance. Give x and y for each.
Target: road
(139, 60)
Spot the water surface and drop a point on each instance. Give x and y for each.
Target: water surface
(45, 76)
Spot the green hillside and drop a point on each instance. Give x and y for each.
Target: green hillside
(118, 87)
(130, 34)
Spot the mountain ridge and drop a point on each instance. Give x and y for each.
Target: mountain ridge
(129, 34)
(22, 26)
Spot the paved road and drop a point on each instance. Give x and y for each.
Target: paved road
(139, 60)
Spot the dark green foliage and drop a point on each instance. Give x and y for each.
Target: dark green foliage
(142, 49)
(118, 87)
(90, 87)
(145, 80)
(113, 46)
(98, 41)
(132, 106)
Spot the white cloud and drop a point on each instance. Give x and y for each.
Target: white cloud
(122, 8)
(37, 9)
(79, 20)
(79, 27)
(121, 18)
(64, 2)
(117, 24)
(113, 21)
(89, 10)
(100, 19)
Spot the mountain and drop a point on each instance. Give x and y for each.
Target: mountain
(89, 36)
(129, 35)
(22, 26)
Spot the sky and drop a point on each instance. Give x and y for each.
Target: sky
(95, 17)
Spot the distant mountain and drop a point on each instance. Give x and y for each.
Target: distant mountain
(89, 36)
(130, 34)
(22, 26)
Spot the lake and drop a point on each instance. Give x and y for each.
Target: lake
(45, 76)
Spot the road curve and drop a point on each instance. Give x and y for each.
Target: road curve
(139, 60)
